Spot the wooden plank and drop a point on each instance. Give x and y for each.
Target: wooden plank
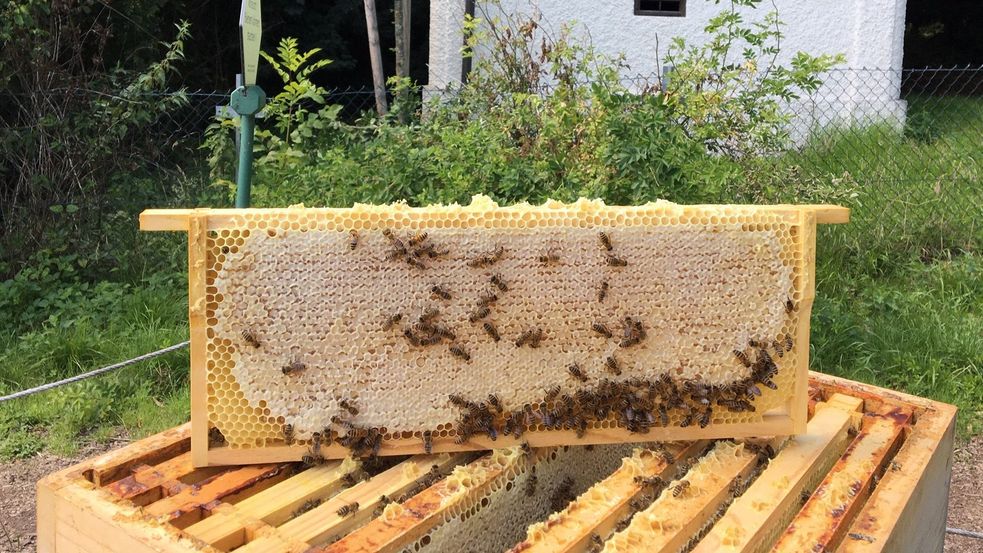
(772, 424)
(112, 466)
(571, 529)
(197, 268)
(774, 497)
(88, 520)
(823, 521)
(322, 522)
(419, 514)
(146, 482)
(907, 511)
(193, 498)
(798, 403)
(226, 528)
(671, 521)
(177, 219)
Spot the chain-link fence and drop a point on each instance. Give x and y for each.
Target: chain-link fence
(905, 143)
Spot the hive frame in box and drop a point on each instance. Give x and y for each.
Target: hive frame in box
(147, 496)
(199, 222)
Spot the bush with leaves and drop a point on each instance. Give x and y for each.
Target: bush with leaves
(545, 115)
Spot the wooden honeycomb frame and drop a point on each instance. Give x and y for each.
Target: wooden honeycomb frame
(870, 474)
(206, 227)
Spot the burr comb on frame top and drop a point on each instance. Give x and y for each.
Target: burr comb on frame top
(387, 330)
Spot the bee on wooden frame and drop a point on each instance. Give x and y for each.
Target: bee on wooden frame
(614, 261)
(611, 364)
(348, 510)
(680, 488)
(602, 292)
(458, 351)
(347, 406)
(499, 283)
(549, 258)
(392, 321)
(605, 241)
(601, 329)
(440, 292)
(491, 331)
(250, 338)
(294, 367)
(576, 372)
(427, 442)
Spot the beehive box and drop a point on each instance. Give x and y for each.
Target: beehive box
(391, 330)
(870, 474)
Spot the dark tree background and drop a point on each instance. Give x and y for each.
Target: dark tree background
(945, 33)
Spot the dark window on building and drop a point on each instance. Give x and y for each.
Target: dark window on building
(672, 8)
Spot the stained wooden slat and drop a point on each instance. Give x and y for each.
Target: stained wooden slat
(824, 519)
(774, 497)
(192, 498)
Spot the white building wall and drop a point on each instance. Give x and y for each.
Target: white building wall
(869, 33)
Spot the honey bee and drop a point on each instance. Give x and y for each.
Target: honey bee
(388, 233)
(416, 263)
(486, 259)
(307, 506)
(602, 292)
(596, 544)
(526, 450)
(576, 372)
(316, 444)
(479, 314)
(444, 332)
(605, 240)
(499, 282)
(615, 261)
(348, 510)
(705, 418)
(417, 238)
(288, 434)
(427, 442)
(680, 488)
(344, 404)
(496, 403)
(531, 482)
(293, 368)
(492, 331)
(353, 241)
(458, 351)
(392, 320)
(487, 299)
(601, 329)
(440, 292)
(742, 357)
(667, 456)
(411, 337)
(548, 258)
(429, 314)
(755, 343)
(530, 337)
(789, 305)
(250, 338)
(551, 393)
(687, 419)
(651, 481)
(611, 364)
(215, 436)
(788, 343)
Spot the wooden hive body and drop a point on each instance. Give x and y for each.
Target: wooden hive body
(325, 331)
(870, 474)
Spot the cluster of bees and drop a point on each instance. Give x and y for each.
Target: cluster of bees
(414, 251)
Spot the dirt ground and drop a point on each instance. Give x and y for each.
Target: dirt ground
(17, 481)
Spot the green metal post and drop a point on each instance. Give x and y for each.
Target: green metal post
(247, 101)
(247, 126)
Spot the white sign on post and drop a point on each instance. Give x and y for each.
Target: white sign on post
(250, 32)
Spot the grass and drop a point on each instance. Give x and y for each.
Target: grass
(899, 299)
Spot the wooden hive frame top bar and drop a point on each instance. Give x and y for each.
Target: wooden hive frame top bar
(320, 332)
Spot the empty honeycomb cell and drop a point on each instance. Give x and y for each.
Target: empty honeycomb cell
(702, 281)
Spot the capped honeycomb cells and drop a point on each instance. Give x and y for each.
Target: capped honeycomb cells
(298, 319)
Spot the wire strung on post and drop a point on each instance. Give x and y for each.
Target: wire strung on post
(90, 374)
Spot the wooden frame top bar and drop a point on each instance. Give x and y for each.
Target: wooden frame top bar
(177, 219)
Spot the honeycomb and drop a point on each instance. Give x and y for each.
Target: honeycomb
(497, 519)
(315, 320)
